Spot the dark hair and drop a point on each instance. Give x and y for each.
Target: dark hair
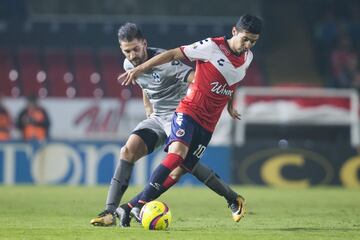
(249, 23)
(128, 32)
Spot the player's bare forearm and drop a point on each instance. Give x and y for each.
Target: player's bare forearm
(190, 78)
(231, 110)
(147, 105)
(165, 57)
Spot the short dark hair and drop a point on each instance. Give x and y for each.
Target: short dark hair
(249, 23)
(129, 31)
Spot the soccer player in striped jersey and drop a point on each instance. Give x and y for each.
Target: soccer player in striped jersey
(163, 88)
(221, 64)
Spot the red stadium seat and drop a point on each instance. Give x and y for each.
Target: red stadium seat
(59, 74)
(32, 72)
(111, 65)
(87, 78)
(9, 82)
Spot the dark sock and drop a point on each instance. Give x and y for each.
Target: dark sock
(133, 202)
(214, 182)
(167, 184)
(158, 177)
(119, 184)
(126, 207)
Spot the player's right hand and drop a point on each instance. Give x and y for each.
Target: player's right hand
(129, 76)
(124, 79)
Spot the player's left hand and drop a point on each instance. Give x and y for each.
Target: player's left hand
(234, 114)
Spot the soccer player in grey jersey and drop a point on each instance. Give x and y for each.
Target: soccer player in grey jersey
(163, 88)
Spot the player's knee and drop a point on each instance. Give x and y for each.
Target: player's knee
(128, 154)
(178, 148)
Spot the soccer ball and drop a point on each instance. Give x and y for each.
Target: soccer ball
(155, 215)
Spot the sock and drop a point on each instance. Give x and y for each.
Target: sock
(126, 207)
(167, 184)
(119, 184)
(158, 177)
(214, 182)
(133, 202)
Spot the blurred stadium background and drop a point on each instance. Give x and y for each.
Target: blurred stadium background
(299, 104)
(299, 100)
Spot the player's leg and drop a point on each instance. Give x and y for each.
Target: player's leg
(235, 202)
(176, 154)
(133, 150)
(123, 211)
(209, 177)
(147, 136)
(173, 177)
(213, 181)
(182, 129)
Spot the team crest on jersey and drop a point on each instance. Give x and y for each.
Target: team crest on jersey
(156, 76)
(180, 132)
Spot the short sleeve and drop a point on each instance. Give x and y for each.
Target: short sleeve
(127, 65)
(200, 50)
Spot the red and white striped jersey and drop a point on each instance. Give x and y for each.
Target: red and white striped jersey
(218, 70)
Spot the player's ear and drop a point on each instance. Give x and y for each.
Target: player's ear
(145, 42)
(234, 31)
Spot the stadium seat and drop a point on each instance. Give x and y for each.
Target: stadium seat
(32, 74)
(87, 77)
(7, 82)
(59, 73)
(111, 65)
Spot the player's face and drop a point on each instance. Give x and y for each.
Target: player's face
(134, 51)
(242, 40)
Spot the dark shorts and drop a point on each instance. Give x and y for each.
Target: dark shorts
(184, 129)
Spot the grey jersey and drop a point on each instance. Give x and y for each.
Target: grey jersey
(165, 85)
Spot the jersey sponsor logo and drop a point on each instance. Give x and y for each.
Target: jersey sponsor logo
(180, 132)
(276, 167)
(179, 119)
(221, 62)
(156, 77)
(221, 89)
(195, 45)
(203, 41)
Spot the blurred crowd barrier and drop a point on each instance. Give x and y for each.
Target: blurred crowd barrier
(289, 137)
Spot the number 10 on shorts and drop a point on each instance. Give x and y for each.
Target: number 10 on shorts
(199, 151)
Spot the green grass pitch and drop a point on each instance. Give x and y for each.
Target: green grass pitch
(62, 212)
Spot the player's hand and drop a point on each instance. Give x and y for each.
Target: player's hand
(233, 112)
(126, 78)
(129, 76)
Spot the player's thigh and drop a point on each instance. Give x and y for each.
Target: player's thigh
(197, 148)
(152, 132)
(182, 129)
